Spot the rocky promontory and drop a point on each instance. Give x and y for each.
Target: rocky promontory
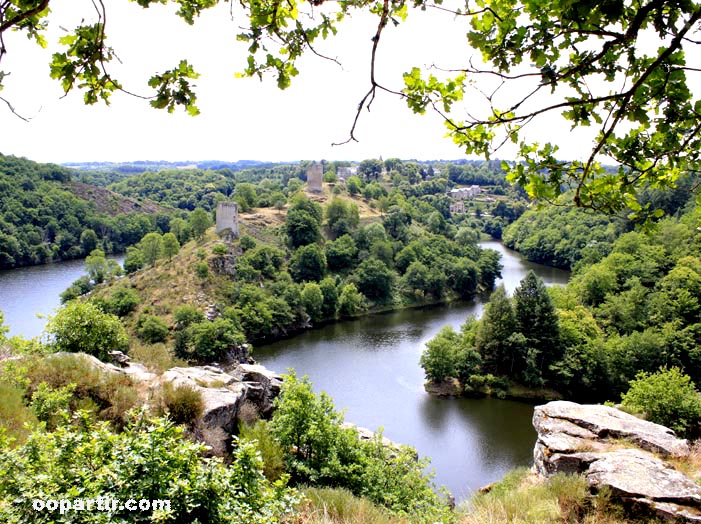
(613, 450)
(244, 392)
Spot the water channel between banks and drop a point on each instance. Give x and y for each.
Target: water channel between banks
(370, 368)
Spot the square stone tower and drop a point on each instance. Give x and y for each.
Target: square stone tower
(314, 178)
(228, 219)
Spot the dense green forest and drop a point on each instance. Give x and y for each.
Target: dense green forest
(630, 307)
(44, 216)
(49, 212)
(562, 236)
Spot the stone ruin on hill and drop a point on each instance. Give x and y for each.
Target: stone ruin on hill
(314, 178)
(228, 220)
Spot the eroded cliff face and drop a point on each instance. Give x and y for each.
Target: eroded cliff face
(613, 449)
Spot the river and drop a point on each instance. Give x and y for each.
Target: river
(370, 368)
(29, 294)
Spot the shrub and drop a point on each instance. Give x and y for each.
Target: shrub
(123, 301)
(219, 250)
(149, 458)
(326, 454)
(186, 315)
(83, 327)
(438, 360)
(183, 404)
(666, 397)
(152, 329)
(247, 242)
(270, 450)
(202, 270)
(209, 341)
(351, 302)
(51, 405)
(313, 300)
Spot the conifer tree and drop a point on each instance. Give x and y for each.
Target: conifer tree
(536, 319)
(493, 335)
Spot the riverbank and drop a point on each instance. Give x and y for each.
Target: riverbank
(453, 388)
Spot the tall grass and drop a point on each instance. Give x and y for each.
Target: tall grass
(521, 498)
(156, 357)
(340, 506)
(270, 450)
(184, 404)
(109, 395)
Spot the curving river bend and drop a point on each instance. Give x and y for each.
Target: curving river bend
(370, 368)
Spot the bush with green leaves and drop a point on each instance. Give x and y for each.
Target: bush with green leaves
(247, 242)
(152, 329)
(318, 450)
(219, 250)
(151, 460)
(79, 287)
(439, 359)
(208, 341)
(667, 397)
(123, 301)
(83, 327)
(50, 404)
(186, 315)
(313, 300)
(202, 270)
(351, 302)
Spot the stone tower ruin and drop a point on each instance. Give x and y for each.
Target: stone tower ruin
(314, 178)
(228, 220)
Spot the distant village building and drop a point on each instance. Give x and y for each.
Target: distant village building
(227, 224)
(344, 173)
(314, 178)
(457, 207)
(465, 193)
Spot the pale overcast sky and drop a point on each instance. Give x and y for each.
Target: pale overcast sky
(241, 118)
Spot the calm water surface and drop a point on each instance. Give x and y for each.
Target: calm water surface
(28, 291)
(370, 368)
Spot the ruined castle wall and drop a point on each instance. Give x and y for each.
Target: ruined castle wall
(228, 218)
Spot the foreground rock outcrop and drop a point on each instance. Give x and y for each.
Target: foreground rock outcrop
(619, 451)
(245, 392)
